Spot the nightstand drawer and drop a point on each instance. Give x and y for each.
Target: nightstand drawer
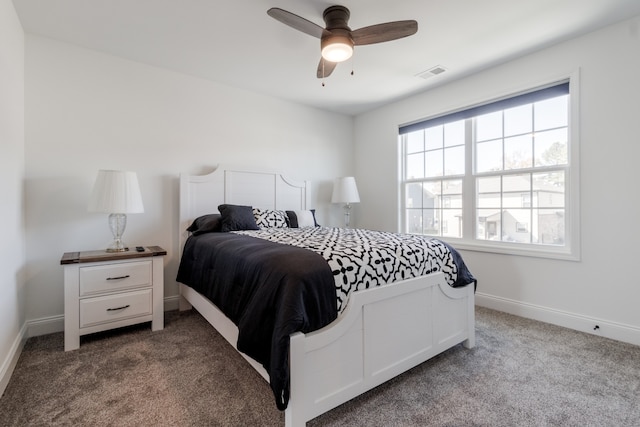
(110, 308)
(114, 277)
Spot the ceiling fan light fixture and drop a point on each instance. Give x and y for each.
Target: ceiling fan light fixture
(337, 48)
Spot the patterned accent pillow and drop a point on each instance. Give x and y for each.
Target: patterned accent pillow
(270, 218)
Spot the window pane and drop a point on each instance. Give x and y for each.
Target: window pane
(516, 225)
(452, 201)
(454, 161)
(551, 147)
(550, 226)
(415, 166)
(488, 224)
(454, 133)
(432, 192)
(513, 189)
(414, 221)
(518, 152)
(489, 156)
(489, 126)
(452, 187)
(433, 137)
(433, 163)
(415, 141)
(452, 222)
(518, 120)
(431, 223)
(549, 189)
(551, 113)
(413, 196)
(489, 195)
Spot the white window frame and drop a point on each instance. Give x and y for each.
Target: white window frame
(571, 248)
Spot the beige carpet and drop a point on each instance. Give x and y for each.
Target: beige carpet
(521, 373)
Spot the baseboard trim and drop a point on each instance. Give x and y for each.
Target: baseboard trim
(53, 324)
(45, 325)
(9, 364)
(591, 325)
(171, 303)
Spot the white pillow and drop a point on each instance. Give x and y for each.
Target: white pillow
(305, 219)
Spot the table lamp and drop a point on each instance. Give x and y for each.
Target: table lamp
(345, 191)
(116, 193)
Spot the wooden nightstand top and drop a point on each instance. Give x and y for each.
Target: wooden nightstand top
(102, 255)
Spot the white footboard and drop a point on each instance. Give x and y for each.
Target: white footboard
(383, 332)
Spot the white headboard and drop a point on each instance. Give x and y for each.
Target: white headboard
(201, 194)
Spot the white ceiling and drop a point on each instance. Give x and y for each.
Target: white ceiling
(236, 43)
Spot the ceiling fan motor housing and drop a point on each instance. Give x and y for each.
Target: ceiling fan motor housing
(336, 17)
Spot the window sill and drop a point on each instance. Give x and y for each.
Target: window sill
(536, 251)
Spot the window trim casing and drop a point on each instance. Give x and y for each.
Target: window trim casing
(571, 251)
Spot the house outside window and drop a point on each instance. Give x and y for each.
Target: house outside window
(493, 176)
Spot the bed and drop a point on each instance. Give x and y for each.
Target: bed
(381, 332)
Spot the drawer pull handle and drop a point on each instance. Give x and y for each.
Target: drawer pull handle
(119, 308)
(118, 278)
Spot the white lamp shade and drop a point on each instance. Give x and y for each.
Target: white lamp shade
(345, 190)
(116, 192)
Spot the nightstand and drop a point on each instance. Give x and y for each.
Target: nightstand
(105, 290)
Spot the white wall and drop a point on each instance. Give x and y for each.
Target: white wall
(603, 287)
(86, 110)
(12, 247)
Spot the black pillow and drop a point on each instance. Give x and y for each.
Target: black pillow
(206, 224)
(237, 217)
(295, 222)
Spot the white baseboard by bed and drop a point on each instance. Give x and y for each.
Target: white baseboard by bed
(578, 322)
(172, 303)
(9, 364)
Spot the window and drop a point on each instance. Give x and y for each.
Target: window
(493, 176)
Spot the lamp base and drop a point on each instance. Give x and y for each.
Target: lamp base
(117, 224)
(347, 215)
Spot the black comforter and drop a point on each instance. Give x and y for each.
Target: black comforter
(267, 289)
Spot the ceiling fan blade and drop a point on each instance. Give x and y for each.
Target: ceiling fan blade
(384, 32)
(297, 22)
(325, 68)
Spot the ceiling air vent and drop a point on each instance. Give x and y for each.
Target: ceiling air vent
(434, 71)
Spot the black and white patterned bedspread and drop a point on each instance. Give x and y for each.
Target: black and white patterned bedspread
(362, 259)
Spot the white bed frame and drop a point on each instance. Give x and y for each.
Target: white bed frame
(383, 332)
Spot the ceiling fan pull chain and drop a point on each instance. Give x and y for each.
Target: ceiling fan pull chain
(352, 64)
(323, 73)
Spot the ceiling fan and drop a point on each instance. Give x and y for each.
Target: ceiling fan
(337, 39)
